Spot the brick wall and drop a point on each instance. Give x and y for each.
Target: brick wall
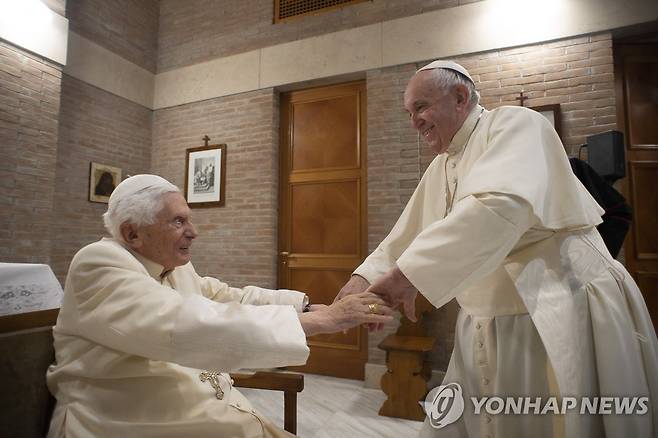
(129, 28)
(199, 30)
(94, 125)
(575, 72)
(29, 109)
(238, 242)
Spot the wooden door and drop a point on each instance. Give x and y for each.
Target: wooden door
(636, 77)
(322, 214)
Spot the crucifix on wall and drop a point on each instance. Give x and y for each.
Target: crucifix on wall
(521, 98)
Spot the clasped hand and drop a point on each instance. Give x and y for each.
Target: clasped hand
(355, 309)
(393, 287)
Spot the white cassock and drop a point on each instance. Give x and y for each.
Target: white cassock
(500, 223)
(130, 348)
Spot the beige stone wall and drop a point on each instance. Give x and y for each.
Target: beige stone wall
(194, 31)
(29, 110)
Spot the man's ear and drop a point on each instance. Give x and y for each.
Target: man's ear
(131, 235)
(462, 95)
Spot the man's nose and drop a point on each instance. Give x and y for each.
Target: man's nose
(191, 231)
(415, 120)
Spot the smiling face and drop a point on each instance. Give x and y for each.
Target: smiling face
(168, 241)
(436, 114)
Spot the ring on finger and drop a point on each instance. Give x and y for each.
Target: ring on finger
(373, 308)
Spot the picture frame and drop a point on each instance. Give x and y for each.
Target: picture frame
(102, 181)
(553, 114)
(205, 176)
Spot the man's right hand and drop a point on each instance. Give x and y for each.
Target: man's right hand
(355, 285)
(397, 290)
(344, 314)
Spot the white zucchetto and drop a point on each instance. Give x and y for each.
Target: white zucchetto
(450, 65)
(134, 184)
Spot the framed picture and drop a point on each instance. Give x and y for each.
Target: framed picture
(552, 113)
(205, 176)
(102, 181)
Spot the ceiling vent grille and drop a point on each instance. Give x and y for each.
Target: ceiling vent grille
(288, 9)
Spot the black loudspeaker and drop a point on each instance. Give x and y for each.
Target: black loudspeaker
(605, 154)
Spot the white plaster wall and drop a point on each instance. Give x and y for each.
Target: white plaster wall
(33, 26)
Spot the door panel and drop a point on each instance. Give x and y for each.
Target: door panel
(641, 75)
(636, 80)
(322, 221)
(331, 122)
(644, 174)
(325, 218)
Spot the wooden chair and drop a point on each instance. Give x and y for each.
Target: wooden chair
(26, 351)
(288, 382)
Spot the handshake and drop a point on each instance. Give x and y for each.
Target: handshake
(359, 302)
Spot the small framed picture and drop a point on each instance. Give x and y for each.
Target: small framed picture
(205, 176)
(102, 181)
(552, 113)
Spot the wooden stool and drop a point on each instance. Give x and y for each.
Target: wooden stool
(405, 382)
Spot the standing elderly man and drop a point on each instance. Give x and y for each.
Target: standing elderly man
(138, 327)
(500, 223)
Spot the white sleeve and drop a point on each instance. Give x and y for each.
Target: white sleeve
(111, 302)
(223, 293)
(407, 226)
(375, 265)
(232, 336)
(471, 242)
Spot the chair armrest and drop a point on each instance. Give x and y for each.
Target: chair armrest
(276, 381)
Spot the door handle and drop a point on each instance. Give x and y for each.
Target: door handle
(284, 257)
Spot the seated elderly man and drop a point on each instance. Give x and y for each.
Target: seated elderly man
(141, 338)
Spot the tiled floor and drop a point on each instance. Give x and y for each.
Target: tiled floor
(330, 408)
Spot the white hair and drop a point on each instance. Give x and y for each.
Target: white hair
(445, 79)
(139, 208)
